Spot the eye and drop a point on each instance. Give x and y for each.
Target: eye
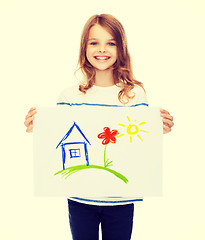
(93, 43)
(111, 44)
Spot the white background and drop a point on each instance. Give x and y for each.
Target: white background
(39, 44)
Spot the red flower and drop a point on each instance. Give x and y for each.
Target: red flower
(108, 136)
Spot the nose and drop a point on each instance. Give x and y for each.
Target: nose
(102, 48)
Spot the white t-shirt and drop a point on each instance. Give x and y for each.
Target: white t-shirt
(102, 96)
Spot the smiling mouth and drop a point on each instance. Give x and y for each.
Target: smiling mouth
(101, 57)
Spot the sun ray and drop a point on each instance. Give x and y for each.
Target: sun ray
(128, 119)
(120, 135)
(144, 131)
(142, 123)
(132, 129)
(140, 137)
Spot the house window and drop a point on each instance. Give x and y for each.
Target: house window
(74, 153)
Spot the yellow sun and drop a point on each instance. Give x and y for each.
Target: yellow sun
(132, 129)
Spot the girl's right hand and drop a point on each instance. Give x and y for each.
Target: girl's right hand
(29, 119)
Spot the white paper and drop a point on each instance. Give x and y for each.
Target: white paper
(132, 166)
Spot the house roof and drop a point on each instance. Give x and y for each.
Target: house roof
(69, 132)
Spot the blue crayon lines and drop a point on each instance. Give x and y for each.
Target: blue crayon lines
(75, 149)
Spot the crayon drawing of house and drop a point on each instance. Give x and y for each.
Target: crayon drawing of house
(74, 146)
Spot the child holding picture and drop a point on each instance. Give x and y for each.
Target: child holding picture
(108, 79)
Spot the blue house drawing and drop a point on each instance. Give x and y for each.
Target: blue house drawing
(74, 146)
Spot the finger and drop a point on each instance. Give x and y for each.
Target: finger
(29, 121)
(168, 122)
(29, 129)
(166, 129)
(31, 113)
(168, 116)
(164, 111)
(32, 109)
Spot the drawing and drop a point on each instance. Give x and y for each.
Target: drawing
(107, 136)
(74, 151)
(132, 129)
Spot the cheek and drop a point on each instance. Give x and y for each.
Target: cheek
(114, 52)
(89, 55)
(89, 52)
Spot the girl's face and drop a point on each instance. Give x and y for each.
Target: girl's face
(101, 49)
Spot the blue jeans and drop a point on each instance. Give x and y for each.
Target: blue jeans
(116, 221)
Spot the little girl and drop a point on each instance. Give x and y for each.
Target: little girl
(108, 79)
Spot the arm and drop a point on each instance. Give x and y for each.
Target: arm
(167, 121)
(29, 119)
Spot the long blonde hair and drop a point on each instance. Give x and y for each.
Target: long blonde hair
(122, 69)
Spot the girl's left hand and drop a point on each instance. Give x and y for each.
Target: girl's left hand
(167, 121)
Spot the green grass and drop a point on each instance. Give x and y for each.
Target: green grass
(68, 171)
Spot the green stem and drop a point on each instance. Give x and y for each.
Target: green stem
(105, 154)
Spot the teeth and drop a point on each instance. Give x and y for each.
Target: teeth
(102, 58)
